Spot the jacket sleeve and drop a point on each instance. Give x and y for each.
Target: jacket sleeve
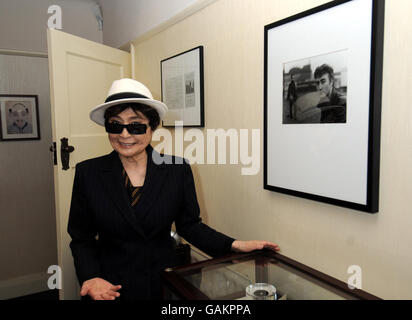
(189, 224)
(82, 229)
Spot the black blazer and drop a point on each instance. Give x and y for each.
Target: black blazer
(130, 246)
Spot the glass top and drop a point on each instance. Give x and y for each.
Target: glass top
(228, 279)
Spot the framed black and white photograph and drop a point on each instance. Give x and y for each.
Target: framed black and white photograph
(19, 117)
(322, 104)
(182, 89)
(315, 89)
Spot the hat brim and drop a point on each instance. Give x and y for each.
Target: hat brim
(97, 114)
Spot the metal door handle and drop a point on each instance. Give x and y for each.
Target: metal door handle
(65, 151)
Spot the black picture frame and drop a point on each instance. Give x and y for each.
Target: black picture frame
(19, 117)
(311, 152)
(182, 83)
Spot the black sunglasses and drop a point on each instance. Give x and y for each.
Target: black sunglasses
(132, 128)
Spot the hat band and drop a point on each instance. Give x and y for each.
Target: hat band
(125, 95)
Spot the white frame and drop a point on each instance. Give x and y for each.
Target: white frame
(327, 162)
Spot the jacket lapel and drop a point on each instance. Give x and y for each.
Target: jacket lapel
(113, 183)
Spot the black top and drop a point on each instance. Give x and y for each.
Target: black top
(333, 109)
(130, 245)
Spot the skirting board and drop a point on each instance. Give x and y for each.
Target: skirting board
(23, 286)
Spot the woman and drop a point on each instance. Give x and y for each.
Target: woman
(123, 205)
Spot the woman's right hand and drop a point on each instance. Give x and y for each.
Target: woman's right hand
(100, 289)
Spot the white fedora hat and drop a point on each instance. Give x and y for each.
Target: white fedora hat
(127, 91)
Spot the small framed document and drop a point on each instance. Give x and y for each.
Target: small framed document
(182, 89)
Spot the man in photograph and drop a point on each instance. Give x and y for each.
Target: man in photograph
(19, 119)
(332, 102)
(292, 96)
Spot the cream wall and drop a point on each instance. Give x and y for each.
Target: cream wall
(323, 236)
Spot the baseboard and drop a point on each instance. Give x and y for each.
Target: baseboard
(23, 286)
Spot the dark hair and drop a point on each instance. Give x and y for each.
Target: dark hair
(324, 69)
(149, 112)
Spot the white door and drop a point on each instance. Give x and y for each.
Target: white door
(81, 72)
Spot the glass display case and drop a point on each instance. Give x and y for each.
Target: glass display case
(227, 278)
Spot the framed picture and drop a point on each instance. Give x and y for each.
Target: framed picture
(182, 89)
(322, 104)
(19, 117)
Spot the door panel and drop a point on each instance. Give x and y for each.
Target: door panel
(81, 72)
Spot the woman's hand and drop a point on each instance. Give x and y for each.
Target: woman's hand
(247, 246)
(100, 289)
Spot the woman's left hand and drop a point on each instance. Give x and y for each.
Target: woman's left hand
(247, 246)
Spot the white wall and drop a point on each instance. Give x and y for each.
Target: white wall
(125, 20)
(323, 236)
(23, 23)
